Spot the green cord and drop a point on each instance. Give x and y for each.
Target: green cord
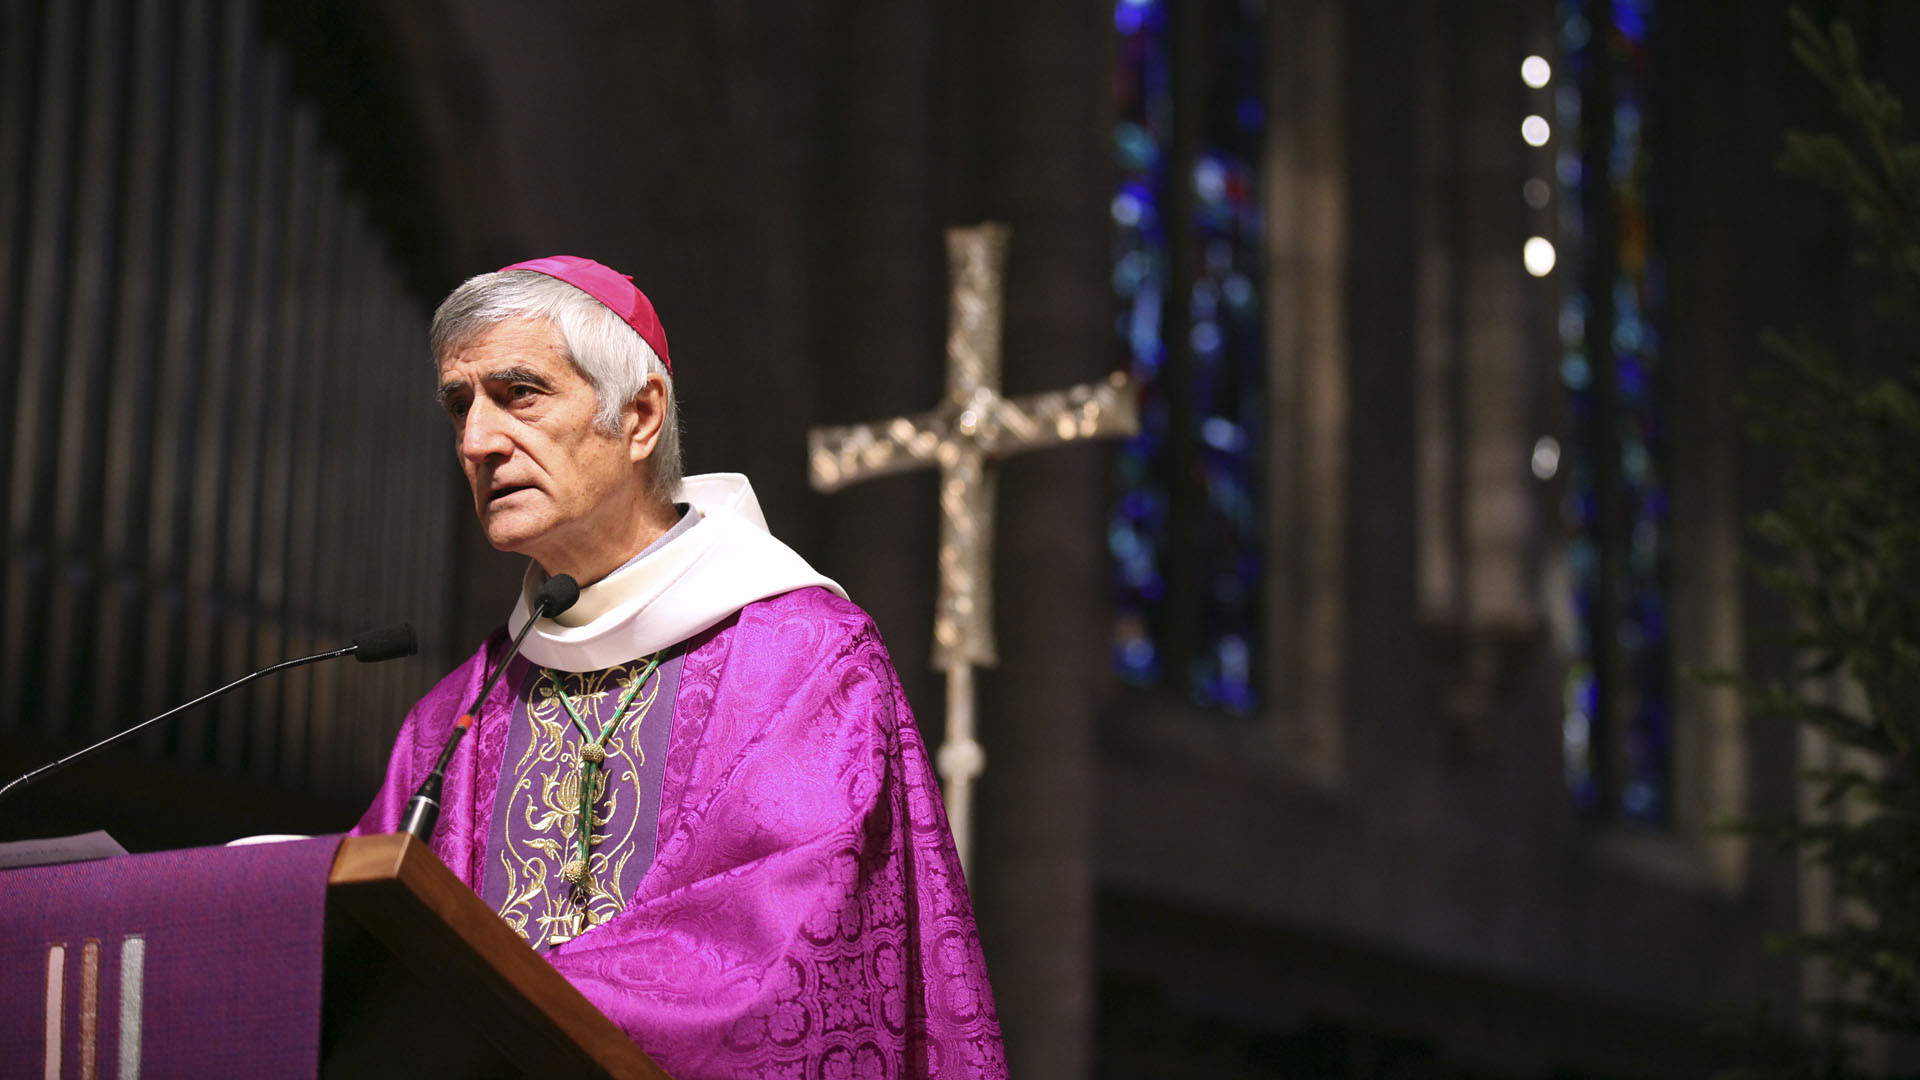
(591, 768)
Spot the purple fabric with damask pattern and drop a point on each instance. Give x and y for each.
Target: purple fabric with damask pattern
(805, 913)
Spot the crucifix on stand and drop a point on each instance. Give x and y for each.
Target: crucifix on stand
(971, 429)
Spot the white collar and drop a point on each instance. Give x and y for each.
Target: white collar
(716, 566)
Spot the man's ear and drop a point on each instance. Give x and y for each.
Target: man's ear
(644, 416)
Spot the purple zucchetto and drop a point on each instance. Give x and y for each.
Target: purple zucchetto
(612, 288)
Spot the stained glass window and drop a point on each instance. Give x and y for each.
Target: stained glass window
(1138, 529)
(1617, 722)
(1187, 236)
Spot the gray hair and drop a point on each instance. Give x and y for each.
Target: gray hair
(612, 356)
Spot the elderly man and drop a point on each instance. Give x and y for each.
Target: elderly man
(762, 882)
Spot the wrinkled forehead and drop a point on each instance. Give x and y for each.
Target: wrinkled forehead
(522, 350)
(525, 338)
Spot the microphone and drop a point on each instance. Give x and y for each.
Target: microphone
(423, 810)
(386, 643)
(371, 647)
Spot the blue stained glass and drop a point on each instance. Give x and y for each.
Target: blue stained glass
(1635, 463)
(1574, 33)
(1134, 148)
(1654, 506)
(1131, 272)
(1566, 102)
(1209, 180)
(1615, 455)
(1653, 624)
(1223, 435)
(1629, 18)
(1212, 343)
(1567, 168)
(1220, 256)
(1240, 294)
(1573, 325)
(1206, 298)
(1629, 335)
(1206, 338)
(1137, 531)
(1581, 556)
(1137, 658)
(1626, 125)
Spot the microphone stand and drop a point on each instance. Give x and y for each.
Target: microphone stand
(423, 810)
(384, 644)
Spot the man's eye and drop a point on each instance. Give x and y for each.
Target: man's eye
(457, 409)
(522, 391)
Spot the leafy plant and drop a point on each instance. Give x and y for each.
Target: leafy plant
(1844, 540)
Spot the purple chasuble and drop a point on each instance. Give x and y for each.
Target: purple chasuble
(536, 827)
(804, 914)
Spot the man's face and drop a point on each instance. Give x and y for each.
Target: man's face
(546, 482)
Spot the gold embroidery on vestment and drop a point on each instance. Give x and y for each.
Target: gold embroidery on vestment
(542, 807)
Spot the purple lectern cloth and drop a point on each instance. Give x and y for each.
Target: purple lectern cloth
(206, 962)
(805, 914)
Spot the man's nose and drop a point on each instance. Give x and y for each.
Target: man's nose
(483, 432)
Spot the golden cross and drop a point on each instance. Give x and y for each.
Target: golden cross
(971, 429)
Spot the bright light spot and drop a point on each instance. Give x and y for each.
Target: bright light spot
(1539, 256)
(1576, 729)
(1222, 434)
(1537, 193)
(1535, 71)
(1546, 457)
(1534, 129)
(1233, 657)
(1209, 180)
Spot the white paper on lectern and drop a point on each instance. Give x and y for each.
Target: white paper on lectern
(59, 849)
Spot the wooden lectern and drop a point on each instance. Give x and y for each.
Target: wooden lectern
(362, 957)
(406, 939)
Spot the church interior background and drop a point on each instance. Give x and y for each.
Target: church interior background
(1341, 726)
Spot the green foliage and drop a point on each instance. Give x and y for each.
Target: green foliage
(1843, 546)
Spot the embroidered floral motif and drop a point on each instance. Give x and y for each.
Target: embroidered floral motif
(543, 806)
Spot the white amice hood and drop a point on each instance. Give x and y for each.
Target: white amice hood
(723, 562)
